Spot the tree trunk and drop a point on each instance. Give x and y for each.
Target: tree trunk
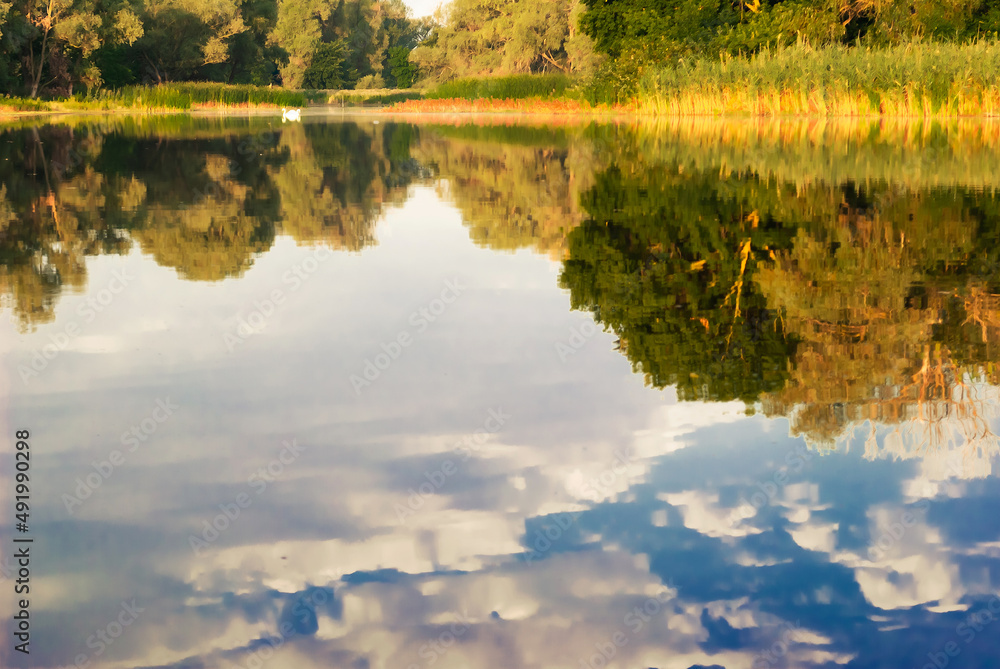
(37, 75)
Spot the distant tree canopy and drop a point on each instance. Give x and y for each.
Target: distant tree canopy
(495, 37)
(662, 30)
(64, 46)
(60, 47)
(344, 42)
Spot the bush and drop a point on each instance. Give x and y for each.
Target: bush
(22, 104)
(370, 82)
(372, 98)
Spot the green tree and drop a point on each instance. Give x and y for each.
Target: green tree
(402, 73)
(252, 60)
(328, 69)
(477, 38)
(368, 31)
(182, 36)
(298, 31)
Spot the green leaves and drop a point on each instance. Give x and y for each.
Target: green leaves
(327, 69)
(403, 73)
(367, 30)
(503, 37)
(127, 26)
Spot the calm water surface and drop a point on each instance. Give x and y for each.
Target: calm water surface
(364, 394)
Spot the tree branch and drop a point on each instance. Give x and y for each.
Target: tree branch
(548, 56)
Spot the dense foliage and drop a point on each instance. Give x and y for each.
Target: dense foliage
(502, 37)
(60, 47)
(648, 35)
(657, 50)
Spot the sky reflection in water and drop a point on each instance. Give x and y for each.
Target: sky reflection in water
(368, 353)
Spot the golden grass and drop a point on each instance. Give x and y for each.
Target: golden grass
(914, 80)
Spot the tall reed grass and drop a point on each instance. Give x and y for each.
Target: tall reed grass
(372, 98)
(180, 96)
(188, 95)
(15, 104)
(513, 87)
(919, 79)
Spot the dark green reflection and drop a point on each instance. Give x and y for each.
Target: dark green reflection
(204, 197)
(830, 303)
(667, 261)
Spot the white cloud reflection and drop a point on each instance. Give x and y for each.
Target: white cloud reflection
(459, 560)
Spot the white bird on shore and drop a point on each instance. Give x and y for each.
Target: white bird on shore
(290, 114)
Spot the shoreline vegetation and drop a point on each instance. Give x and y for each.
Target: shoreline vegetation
(639, 58)
(926, 80)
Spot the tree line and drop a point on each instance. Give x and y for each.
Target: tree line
(658, 30)
(62, 47)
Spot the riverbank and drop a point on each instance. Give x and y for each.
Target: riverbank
(168, 97)
(916, 80)
(531, 106)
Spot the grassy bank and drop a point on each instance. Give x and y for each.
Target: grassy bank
(170, 97)
(378, 97)
(497, 106)
(514, 87)
(919, 79)
(520, 93)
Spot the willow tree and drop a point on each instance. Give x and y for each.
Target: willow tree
(341, 41)
(475, 38)
(181, 36)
